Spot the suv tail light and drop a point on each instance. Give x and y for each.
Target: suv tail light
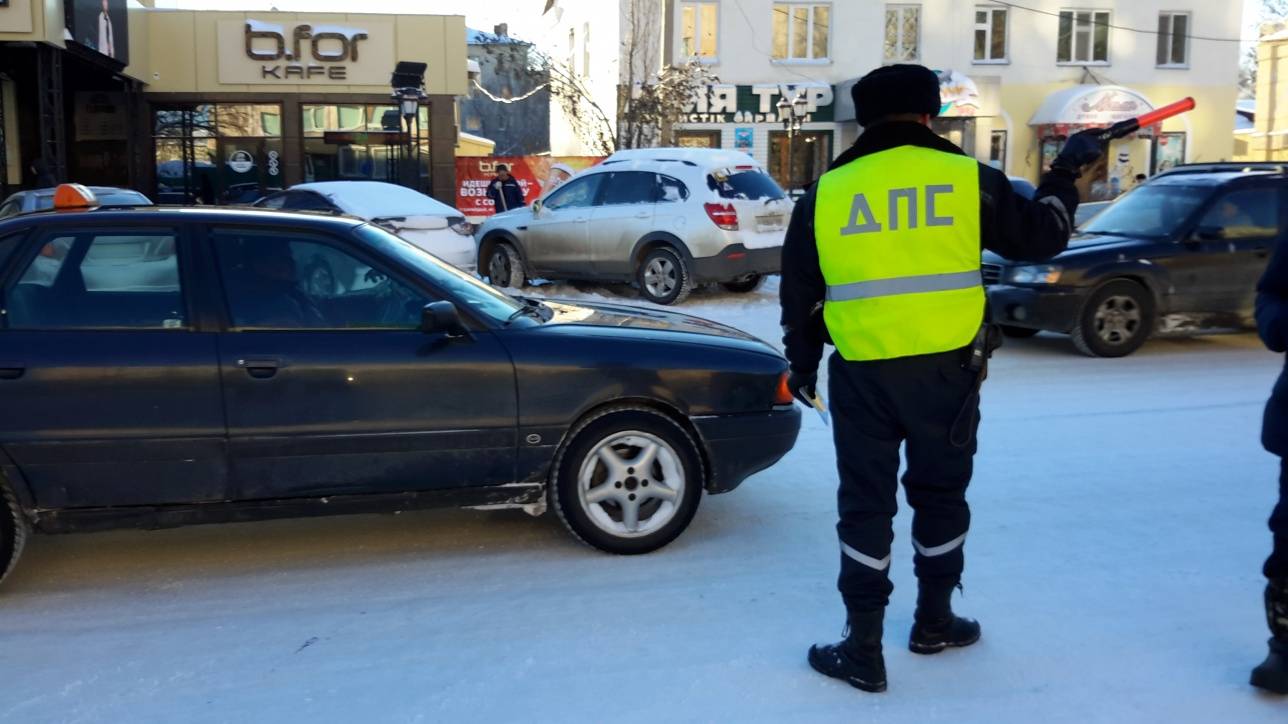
(724, 216)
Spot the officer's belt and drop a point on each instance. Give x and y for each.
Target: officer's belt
(904, 285)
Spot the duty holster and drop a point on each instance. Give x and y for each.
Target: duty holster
(987, 341)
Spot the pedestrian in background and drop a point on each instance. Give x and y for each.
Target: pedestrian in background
(1272, 324)
(504, 190)
(888, 245)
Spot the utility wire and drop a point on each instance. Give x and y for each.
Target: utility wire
(1118, 27)
(523, 97)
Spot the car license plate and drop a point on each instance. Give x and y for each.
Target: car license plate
(769, 222)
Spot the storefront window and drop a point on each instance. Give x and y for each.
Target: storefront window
(997, 150)
(811, 152)
(697, 139)
(217, 153)
(357, 157)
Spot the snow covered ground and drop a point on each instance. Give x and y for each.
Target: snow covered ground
(1119, 529)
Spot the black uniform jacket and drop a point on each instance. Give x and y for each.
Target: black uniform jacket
(1272, 324)
(1010, 225)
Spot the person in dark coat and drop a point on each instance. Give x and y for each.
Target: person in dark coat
(1272, 324)
(504, 190)
(41, 175)
(900, 296)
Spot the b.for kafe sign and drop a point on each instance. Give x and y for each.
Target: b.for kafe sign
(302, 52)
(727, 103)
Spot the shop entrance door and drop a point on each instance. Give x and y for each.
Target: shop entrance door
(217, 153)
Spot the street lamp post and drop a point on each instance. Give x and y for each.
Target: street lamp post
(408, 83)
(792, 114)
(409, 100)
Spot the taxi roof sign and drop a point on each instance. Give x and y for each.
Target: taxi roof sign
(74, 196)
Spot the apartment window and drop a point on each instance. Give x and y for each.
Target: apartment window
(801, 31)
(1173, 39)
(698, 23)
(1084, 37)
(902, 33)
(572, 51)
(990, 34)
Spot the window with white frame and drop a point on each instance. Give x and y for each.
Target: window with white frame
(698, 24)
(902, 33)
(1084, 37)
(572, 51)
(990, 34)
(801, 31)
(1173, 40)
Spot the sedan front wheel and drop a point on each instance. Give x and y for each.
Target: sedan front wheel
(629, 481)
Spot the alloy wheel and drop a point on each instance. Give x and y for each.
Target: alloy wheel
(631, 484)
(660, 277)
(1117, 319)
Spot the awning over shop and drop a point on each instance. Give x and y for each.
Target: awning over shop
(1083, 106)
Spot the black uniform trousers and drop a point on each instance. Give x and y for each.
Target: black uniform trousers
(1276, 566)
(877, 406)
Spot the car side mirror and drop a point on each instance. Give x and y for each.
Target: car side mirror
(1208, 233)
(537, 206)
(442, 317)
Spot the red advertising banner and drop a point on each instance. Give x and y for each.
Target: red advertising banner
(534, 174)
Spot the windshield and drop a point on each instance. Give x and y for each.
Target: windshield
(749, 185)
(465, 289)
(1149, 210)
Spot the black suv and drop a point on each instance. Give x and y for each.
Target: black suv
(173, 366)
(1179, 254)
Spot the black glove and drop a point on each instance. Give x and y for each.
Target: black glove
(1082, 148)
(802, 386)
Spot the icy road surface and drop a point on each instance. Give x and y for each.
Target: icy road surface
(1119, 529)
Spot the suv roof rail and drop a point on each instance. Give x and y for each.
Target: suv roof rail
(1227, 166)
(684, 161)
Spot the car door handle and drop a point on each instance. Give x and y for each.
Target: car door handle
(12, 370)
(260, 368)
(1263, 252)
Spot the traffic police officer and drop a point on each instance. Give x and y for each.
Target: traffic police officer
(887, 245)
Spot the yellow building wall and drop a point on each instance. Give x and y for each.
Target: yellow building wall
(1209, 128)
(470, 147)
(1269, 139)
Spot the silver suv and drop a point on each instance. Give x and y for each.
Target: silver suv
(666, 219)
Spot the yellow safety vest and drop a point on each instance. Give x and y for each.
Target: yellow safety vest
(899, 246)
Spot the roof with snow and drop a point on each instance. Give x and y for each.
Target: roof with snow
(482, 37)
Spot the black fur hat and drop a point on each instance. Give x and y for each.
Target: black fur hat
(895, 89)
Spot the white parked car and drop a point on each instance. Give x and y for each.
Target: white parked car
(426, 222)
(666, 219)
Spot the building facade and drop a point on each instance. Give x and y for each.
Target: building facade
(1015, 80)
(518, 123)
(1267, 139)
(220, 107)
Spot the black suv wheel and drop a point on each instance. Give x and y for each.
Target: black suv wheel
(1115, 320)
(14, 530)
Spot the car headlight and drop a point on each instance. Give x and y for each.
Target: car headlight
(1043, 274)
(463, 227)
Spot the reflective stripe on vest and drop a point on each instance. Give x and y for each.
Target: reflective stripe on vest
(899, 247)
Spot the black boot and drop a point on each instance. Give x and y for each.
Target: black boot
(1272, 674)
(857, 659)
(934, 627)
